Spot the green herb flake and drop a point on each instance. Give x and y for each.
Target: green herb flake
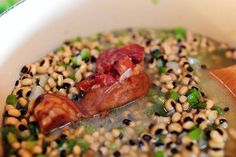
(200, 105)
(121, 128)
(180, 33)
(154, 2)
(40, 155)
(193, 96)
(113, 146)
(84, 145)
(89, 128)
(195, 134)
(71, 143)
(152, 92)
(11, 137)
(174, 95)
(218, 109)
(29, 144)
(60, 49)
(159, 154)
(162, 70)
(85, 53)
(73, 61)
(72, 76)
(11, 99)
(156, 53)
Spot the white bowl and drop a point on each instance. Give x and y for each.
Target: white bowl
(33, 28)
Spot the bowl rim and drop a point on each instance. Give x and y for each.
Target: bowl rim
(12, 7)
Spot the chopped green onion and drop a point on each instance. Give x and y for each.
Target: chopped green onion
(154, 2)
(180, 33)
(11, 99)
(220, 51)
(139, 129)
(11, 137)
(159, 154)
(60, 49)
(195, 133)
(40, 155)
(160, 63)
(84, 145)
(89, 128)
(156, 53)
(152, 92)
(157, 107)
(162, 70)
(218, 109)
(200, 105)
(73, 61)
(29, 144)
(121, 128)
(72, 77)
(85, 53)
(112, 146)
(174, 95)
(193, 96)
(34, 129)
(71, 144)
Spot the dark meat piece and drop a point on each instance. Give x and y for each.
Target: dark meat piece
(104, 99)
(54, 110)
(119, 79)
(105, 62)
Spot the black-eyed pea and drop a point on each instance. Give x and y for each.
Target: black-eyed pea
(62, 92)
(32, 118)
(185, 106)
(185, 80)
(215, 153)
(76, 150)
(26, 91)
(70, 81)
(169, 105)
(186, 140)
(178, 107)
(115, 133)
(59, 80)
(165, 78)
(183, 90)
(51, 82)
(15, 145)
(220, 120)
(54, 153)
(164, 120)
(212, 115)
(24, 153)
(203, 125)
(22, 101)
(182, 99)
(175, 127)
(216, 136)
(176, 117)
(11, 121)
(37, 149)
(27, 82)
(209, 104)
(188, 125)
(14, 112)
(31, 105)
(158, 129)
(214, 144)
(83, 68)
(8, 107)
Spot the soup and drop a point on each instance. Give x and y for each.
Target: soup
(179, 114)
